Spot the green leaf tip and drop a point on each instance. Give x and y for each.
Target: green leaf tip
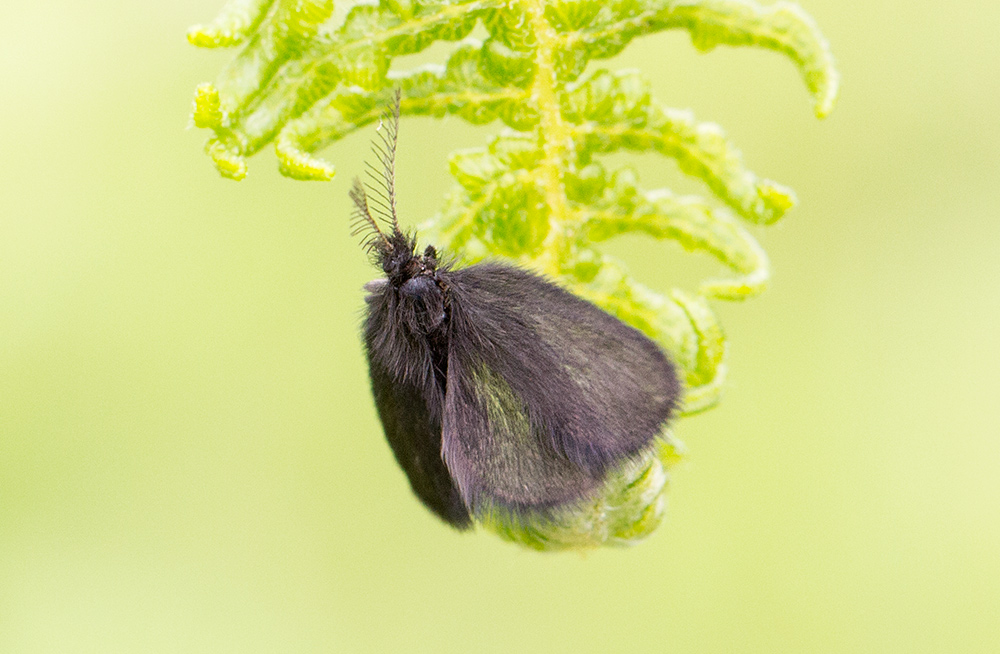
(236, 19)
(297, 164)
(230, 164)
(207, 110)
(544, 191)
(783, 27)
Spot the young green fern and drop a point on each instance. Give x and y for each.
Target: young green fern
(538, 193)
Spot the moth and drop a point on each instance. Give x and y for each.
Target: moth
(499, 391)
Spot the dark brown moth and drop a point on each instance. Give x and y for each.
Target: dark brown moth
(498, 390)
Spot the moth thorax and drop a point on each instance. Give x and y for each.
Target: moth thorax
(421, 301)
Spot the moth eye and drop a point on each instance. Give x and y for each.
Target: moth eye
(419, 287)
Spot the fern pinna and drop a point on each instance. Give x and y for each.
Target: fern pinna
(305, 77)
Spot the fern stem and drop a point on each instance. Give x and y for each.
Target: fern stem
(554, 135)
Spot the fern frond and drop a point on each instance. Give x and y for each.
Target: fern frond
(541, 192)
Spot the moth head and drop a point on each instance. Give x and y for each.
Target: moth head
(411, 281)
(401, 263)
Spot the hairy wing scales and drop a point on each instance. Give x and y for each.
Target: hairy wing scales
(589, 391)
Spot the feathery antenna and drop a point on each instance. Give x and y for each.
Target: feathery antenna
(382, 189)
(375, 201)
(362, 220)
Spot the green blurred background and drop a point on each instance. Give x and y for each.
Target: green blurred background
(189, 456)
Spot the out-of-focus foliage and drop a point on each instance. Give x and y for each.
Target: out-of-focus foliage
(539, 192)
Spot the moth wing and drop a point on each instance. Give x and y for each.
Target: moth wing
(545, 391)
(411, 418)
(496, 456)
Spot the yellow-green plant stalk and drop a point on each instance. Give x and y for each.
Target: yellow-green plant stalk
(304, 77)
